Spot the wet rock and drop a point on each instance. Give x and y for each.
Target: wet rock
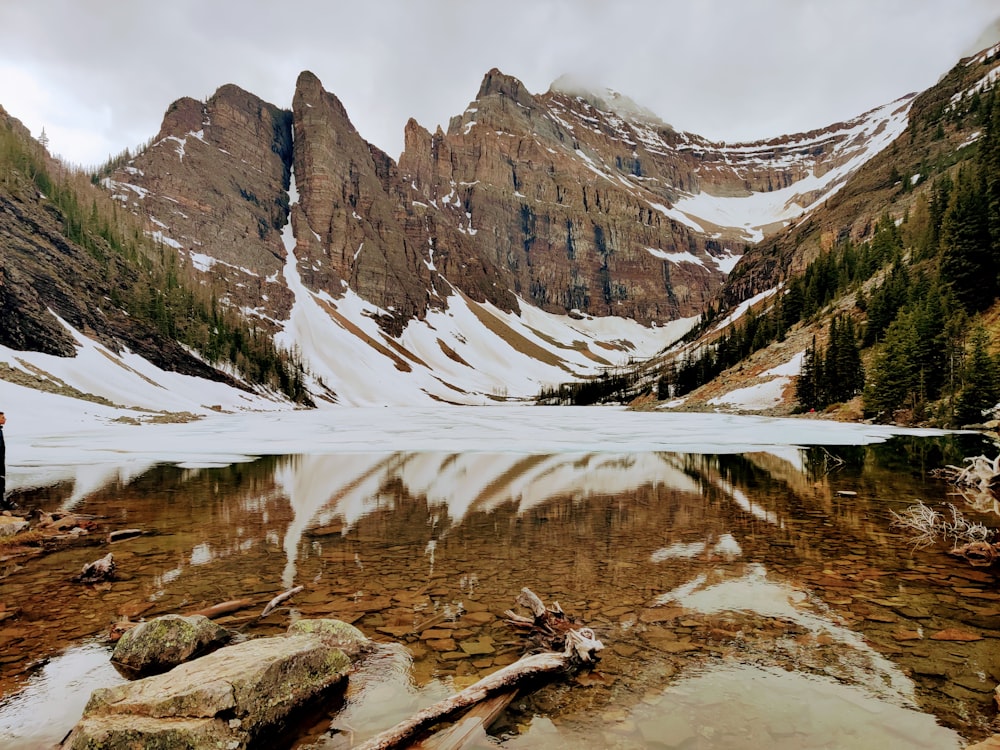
(973, 683)
(502, 660)
(10, 525)
(625, 649)
(396, 631)
(955, 634)
(478, 647)
(334, 633)
(441, 644)
(660, 614)
(228, 699)
(161, 644)
(912, 612)
(880, 617)
(434, 634)
(477, 618)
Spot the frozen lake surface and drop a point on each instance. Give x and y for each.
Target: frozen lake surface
(50, 445)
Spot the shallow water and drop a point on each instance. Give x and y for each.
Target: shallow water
(743, 602)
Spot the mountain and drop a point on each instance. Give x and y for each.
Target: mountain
(541, 238)
(564, 236)
(896, 273)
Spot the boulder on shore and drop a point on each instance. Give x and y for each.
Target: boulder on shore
(229, 699)
(160, 644)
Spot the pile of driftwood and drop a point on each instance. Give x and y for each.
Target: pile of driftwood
(975, 481)
(567, 648)
(971, 540)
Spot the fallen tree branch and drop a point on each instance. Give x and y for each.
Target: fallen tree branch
(470, 728)
(580, 648)
(272, 605)
(504, 678)
(223, 608)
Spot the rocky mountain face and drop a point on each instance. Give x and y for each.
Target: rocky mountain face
(540, 238)
(214, 184)
(565, 200)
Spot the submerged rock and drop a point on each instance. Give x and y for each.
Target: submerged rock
(228, 699)
(163, 643)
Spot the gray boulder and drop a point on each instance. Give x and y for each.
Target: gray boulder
(228, 699)
(161, 644)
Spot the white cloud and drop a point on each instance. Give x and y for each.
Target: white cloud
(99, 75)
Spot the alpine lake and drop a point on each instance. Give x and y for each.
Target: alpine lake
(760, 600)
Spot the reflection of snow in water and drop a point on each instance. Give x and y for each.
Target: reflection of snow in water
(58, 692)
(770, 707)
(350, 486)
(752, 592)
(51, 448)
(726, 547)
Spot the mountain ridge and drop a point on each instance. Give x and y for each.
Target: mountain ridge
(526, 202)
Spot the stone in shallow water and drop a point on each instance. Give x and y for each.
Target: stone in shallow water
(660, 614)
(441, 644)
(477, 618)
(478, 647)
(955, 634)
(396, 631)
(226, 699)
(161, 644)
(624, 649)
(434, 634)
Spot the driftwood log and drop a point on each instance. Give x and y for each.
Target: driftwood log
(223, 608)
(976, 481)
(579, 648)
(471, 727)
(979, 472)
(273, 604)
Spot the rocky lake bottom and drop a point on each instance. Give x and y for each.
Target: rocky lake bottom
(757, 600)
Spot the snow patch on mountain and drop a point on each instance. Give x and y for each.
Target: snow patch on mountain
(465, 353)
(754, 212)
(116, 383)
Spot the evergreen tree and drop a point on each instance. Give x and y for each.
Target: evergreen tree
(981, 376)
(843, 373)
(988, 161)
(967, 263)
(807, 385)
(895, 379)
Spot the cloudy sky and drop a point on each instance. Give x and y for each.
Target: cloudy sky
(98, 75)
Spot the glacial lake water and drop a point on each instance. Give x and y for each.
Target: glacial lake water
(742, 601)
